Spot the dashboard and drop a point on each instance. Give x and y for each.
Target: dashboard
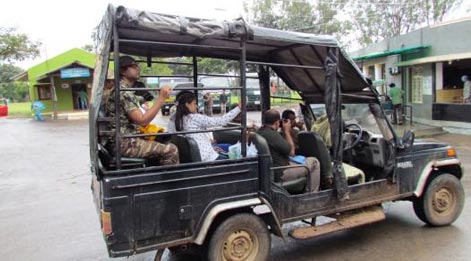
(370, 150)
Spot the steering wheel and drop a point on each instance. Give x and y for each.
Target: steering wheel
(353, 138)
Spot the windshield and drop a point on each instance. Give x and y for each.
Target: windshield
(252, 83)
(355, 113)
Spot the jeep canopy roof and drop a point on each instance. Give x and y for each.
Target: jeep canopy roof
(262, 45)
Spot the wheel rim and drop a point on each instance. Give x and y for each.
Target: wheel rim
(240, 245)
(443, 201)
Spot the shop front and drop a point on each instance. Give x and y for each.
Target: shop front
(438, 81)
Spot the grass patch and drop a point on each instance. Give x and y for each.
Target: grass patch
(19, 109)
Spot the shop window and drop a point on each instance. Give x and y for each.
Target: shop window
(451, 89)
(417, 85)
(44, 92)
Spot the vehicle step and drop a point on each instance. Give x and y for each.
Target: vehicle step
(343, 221)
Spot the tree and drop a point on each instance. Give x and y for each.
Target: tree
(435, 10)
(317, 17)
(88, 47)
(92, 48)
(15, 91)
(16, 46)
(205, 65)
(154, 69)
(376, 20)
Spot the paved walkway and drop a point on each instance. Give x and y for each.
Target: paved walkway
(420, 130)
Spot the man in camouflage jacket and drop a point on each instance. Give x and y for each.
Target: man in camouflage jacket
(132, 117)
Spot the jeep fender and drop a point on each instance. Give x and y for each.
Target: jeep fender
(427, 171)
(220, 208)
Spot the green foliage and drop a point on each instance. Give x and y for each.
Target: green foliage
(318, 17)
(362, 22)
(15, 46)
(15, 91)
(156, 69)
(205, 65)
(379, 19)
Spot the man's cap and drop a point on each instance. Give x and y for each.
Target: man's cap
(392, 85)
(464, 78)
(126, 61)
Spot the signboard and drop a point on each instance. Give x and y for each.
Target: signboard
(427, 82)
(75, 73)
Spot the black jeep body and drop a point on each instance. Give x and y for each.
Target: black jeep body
(143, 207)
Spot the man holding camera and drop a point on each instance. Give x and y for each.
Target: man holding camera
(281, 149)
(132, 117)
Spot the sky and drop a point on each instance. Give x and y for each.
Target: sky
(63, 25)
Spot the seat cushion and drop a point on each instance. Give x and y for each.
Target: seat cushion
(353, 173)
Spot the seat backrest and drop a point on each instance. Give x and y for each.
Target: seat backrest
(312, 145)
(187, 148)
(227, 136)
(260, 143)
(104, 156)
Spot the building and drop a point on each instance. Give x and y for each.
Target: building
(58, 81)
(428, 65)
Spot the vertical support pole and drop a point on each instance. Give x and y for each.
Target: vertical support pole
(243, 96)
(54, 97)
(195, 75)
(116, 96)
(265, 88)
(333, 103)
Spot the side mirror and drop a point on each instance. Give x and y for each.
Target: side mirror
(408, 139)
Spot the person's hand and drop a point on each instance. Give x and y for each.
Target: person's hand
(300, 125)
(165, 92)
(217, 149)
(286, 126)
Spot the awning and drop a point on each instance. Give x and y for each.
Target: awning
(57, 70)
(392, 52)
(438, 58)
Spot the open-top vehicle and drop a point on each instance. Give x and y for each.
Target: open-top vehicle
(228, 209)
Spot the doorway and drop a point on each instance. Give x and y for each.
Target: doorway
(76, 97)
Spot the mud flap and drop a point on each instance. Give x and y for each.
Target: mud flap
(343, 221)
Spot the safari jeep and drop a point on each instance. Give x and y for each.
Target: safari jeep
(229, 209)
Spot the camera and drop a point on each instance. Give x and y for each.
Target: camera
(144, 94)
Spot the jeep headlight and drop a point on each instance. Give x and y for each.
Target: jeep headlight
(451, 152)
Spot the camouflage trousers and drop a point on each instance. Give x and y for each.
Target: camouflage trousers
(165, 154)
(311, 169)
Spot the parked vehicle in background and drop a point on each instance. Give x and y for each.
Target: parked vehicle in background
(3, 107)
(172, 82)
(222, 81)
(253, 93)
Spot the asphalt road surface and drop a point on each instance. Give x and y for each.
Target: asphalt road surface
(47, 211)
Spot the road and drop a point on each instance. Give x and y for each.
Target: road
(47, 212)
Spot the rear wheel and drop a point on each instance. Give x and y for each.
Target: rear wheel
(240, 237)
(442, 202)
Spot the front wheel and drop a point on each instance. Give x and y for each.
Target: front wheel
(240, 237)
(442, 202)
